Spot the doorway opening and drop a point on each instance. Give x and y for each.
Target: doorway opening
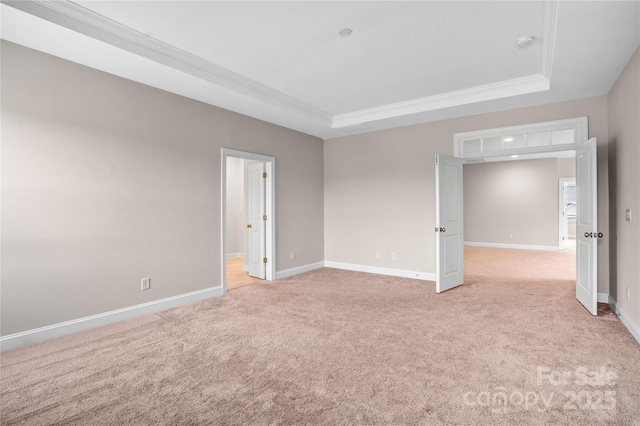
(533, 139)
(511, 225)
(247, 219)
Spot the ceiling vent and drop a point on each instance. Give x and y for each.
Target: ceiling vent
(356, 128)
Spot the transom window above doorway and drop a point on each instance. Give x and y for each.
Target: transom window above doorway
(548, 136)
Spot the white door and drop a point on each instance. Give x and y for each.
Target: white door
(257, 223)
(449, 223)
(586, 226)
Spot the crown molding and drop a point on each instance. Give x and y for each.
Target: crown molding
(502, 89)
(84, 21)
(77, 18)
(521, 86)
(549, 36)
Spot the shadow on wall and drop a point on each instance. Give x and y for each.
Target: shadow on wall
(613, 220)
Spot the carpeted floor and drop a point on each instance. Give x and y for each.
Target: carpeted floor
(336, 347)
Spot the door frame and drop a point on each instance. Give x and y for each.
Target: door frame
(270, 189)
(578, 124)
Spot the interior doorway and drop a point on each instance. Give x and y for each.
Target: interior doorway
(511, 224)
(533, 139)
(449, 210)
(247, 219)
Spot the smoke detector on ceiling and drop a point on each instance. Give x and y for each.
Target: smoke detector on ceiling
(524, 41)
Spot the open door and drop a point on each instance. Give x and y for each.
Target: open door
(586, 226)
(449, 223)
(257, 222)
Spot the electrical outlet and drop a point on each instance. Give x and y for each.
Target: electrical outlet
(511, 236)
(292, 255)
(377, 255)
(627, 215)
(628, 293)
(393, 256)
(146, 283)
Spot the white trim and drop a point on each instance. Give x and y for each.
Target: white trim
(77, 18)
(625, 318)
(238, 255)
(247, 155)
(579, 124)
(549, 37)
(270, 211)
(561, 242)
(511, 246)
(298, 270)
(603, 298)
(501, 89)
(426, 276)
(41, 334)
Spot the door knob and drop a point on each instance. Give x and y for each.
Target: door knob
(600, 235)
(588, 234)
(443, 229)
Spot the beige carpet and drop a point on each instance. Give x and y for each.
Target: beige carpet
(334, 347)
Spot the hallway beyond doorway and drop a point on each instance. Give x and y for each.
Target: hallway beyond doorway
(236, 276)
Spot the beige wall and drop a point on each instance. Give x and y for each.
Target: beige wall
(236, 222)
(624, 163)
(379, 186)
(566, 167)
(512, 197)
(106, 181)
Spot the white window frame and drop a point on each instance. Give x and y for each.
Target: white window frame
(580, 126)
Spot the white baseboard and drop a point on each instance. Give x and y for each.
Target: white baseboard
(238, 255)
(426, 276)
(298, 270)
(633, 328)
(41, 334)
(603, 298)
(511, 246)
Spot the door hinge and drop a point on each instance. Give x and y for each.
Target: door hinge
(264, 260)
(264, 175)
(264, 217)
